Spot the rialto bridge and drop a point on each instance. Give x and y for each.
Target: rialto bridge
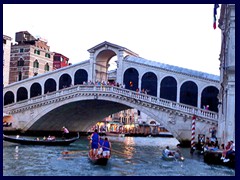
(66, 97)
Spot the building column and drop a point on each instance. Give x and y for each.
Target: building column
(178, 94)
(199, 99)
(119, 78)
(230, 113)
(158, 87)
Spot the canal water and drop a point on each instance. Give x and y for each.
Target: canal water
(131, 156)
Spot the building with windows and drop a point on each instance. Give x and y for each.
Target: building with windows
(6, 58)
(60, 61)
(30, 56)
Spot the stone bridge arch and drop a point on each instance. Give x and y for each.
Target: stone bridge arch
(79, 109)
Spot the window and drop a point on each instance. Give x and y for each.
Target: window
(36, 64)
(4, 41)
(20, 62)
(37, 51)
(48, 55)
(21, 50)
(46, 68)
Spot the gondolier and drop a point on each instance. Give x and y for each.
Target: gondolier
(65, 132)
(94, 143)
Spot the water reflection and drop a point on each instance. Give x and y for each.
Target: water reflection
(16, 153)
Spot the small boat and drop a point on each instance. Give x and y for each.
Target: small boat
(175, 157)
(98, 161)
(54, 142)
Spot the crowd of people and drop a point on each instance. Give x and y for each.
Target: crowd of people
(228, 151)
(211, 144)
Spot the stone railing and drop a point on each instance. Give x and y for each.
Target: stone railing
(74, 91)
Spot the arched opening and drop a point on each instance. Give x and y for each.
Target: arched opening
(112, 64)
(189, 93)
(20, 62)
(35, 90)
(8, 98)
(65, 81)
(35, 67)
(20, 65)
(168, 88)
(80, 76)
(50, 85)
(209, 97)
(46, 67)
(149, 83)
(102, 64)
(22, 94)
(130, 79)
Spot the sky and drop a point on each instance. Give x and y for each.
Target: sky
(180, 35)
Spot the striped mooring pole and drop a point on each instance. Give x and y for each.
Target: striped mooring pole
(193, 135)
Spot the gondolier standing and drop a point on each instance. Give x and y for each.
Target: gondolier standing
(94, 143)
(65, 132)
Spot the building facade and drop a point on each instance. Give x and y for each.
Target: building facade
(6, 58)
(60, 61)
(226, 122)
(30, 56)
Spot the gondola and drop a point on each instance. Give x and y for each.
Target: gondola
(214, 157)
(175, 157)
(98, 161)
(25, 141)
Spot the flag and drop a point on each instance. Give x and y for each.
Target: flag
(214, 15)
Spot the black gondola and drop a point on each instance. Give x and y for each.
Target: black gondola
(214, 157)
(56, 142)
(98, 161)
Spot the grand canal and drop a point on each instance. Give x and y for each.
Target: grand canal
(131, 156)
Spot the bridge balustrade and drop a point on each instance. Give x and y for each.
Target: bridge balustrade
(119, 91)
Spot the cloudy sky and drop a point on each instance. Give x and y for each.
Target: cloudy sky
(180, 35)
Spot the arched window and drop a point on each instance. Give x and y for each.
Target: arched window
(46, 67)
(130, 79)
(65, 81)
(22, 94)
(168, 88)
(36, 64)
(20, 62)
(35, 90)
(209, 98)
(189, 93)
(149, 83)
(80, 76)
(50, 85)
(8, 98)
